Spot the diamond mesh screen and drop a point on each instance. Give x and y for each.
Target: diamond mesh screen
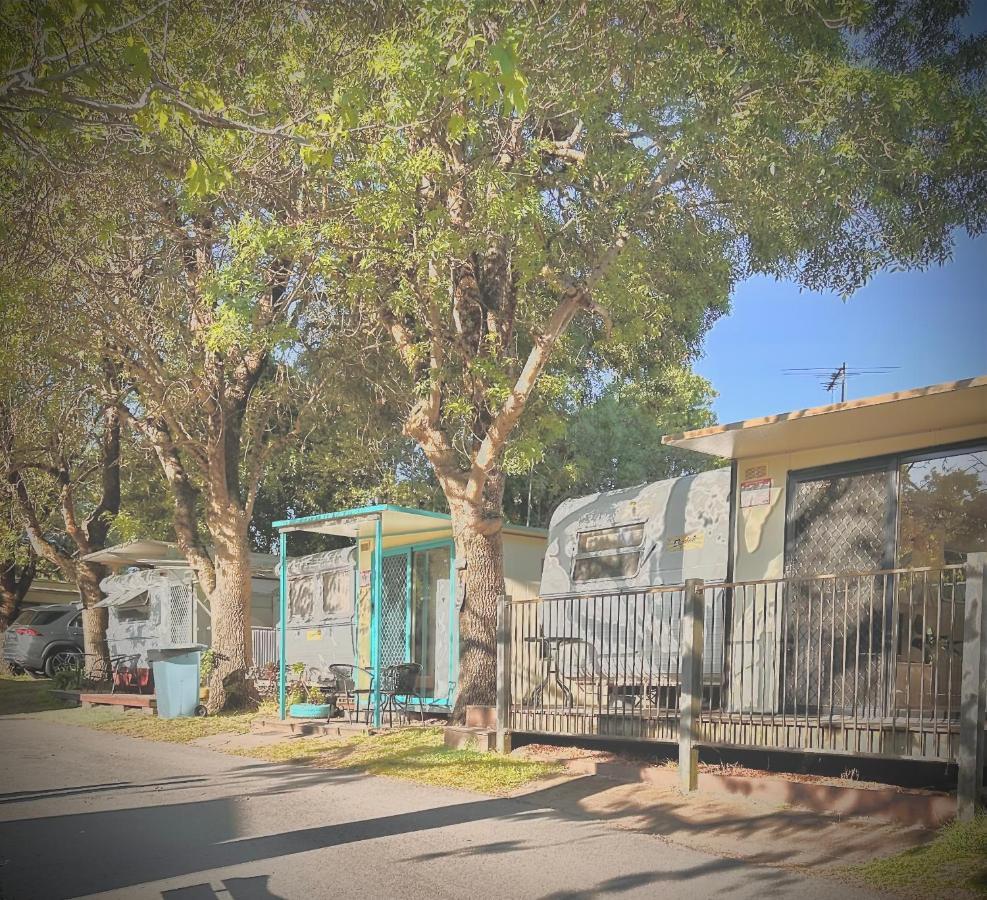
(180, 619)
(838, 527)
(393, 604)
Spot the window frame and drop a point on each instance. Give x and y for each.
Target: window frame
(891, 464)
(637, 549)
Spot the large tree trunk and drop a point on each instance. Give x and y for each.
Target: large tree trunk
(229, 604)
(94, 621)
(478, 531)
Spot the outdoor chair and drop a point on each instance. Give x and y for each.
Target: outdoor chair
(127, 675)
(343, 683)
(399, 689)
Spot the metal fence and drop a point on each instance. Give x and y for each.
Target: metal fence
(264, 643)
(603, 664)
(858, 664)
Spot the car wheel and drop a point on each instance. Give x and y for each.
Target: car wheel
(61, 660)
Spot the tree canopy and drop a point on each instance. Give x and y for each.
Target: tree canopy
(476, 211)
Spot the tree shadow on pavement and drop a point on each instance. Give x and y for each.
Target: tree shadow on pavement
(93, 851)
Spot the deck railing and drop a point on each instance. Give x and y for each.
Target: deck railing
(860, 664)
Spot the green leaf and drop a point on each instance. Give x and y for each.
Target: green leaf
(136, 55)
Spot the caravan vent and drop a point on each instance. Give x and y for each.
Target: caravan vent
(180, 620)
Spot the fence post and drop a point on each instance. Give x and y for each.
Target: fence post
(973, 685)
(691, 688)
(503, 674)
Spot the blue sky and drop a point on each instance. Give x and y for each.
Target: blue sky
(930, 323)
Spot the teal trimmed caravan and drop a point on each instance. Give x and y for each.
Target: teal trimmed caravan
(392, 596)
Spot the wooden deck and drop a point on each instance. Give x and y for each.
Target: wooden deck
(147, 703)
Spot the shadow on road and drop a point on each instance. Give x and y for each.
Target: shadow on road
(90, 852)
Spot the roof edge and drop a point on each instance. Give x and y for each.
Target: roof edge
(809, 412)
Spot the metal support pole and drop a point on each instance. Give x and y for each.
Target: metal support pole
(282, 621)
(503, 674)
(376, 576)
(691, 675)
(973, 687)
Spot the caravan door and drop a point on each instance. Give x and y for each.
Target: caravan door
(416, 615)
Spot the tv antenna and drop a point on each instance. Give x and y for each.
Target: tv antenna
(832, 379)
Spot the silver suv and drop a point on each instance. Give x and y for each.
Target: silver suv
(45, 639)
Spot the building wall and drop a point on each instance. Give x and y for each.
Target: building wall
(759, 540)
(524, 557)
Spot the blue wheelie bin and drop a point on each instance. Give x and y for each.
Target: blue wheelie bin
(176, 680)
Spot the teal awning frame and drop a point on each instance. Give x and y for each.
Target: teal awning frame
(362, 522)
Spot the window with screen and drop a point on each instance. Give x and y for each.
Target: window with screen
(613, 552)
(137, 610)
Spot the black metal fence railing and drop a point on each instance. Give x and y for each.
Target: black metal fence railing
(864, 663)
(602, 664)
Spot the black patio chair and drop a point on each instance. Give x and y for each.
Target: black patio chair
(342, 682)
(399, 688)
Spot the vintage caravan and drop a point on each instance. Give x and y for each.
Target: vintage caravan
(154, 602)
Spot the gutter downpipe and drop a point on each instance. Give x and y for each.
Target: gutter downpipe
(282, 620)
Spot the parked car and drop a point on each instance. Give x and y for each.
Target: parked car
(45, 639)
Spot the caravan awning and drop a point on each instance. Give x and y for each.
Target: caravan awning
(396, 521)
(361, 522)
(123, 598)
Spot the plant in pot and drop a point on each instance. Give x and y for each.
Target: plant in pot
(207, 663)
(315, 705)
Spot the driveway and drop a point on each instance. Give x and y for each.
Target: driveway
(83, 813)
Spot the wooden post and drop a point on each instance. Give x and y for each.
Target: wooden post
(691, 674)
(503, 674)
(973, 687)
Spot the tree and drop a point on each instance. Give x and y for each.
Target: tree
(184, 265)
(18, 565)
(59, 452)
(608, 442)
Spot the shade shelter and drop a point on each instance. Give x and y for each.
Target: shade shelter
(407, 593)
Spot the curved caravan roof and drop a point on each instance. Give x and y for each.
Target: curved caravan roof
(654, 534)
(123, 589)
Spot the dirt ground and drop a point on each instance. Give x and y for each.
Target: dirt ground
(737, 828)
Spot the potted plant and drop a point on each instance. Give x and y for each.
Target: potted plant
(313, 704)
(207, 664)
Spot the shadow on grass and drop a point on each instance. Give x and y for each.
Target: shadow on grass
(27, 695)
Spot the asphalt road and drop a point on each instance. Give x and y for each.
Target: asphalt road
(83, 813)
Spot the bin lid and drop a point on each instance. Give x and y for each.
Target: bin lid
(157, 654)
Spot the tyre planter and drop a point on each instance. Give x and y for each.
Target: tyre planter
(310, 710)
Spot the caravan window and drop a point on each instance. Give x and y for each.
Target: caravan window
(608, 552)
(337, 591)
(137, 610)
